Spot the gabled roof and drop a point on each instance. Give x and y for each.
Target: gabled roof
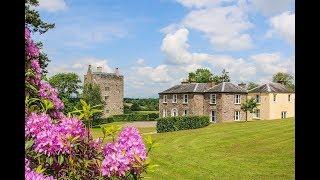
(187, 88)
(270, 88)
(227, 87)
(204, 87)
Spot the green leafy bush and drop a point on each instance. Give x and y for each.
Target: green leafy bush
(125, 117)
(168, 124)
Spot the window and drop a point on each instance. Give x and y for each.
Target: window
(283, 114)
(174, 112)
(107, 110)
(164, 98)
(213, 98)
(274, 97)
(174, 98)
(258, 98)
(213, 116)
(237, 115)
(164, 113)
(106, 98)
(237, 99)
(257, 113)
(106, 88)
(289, 97)
(185, 98)
(185, 112)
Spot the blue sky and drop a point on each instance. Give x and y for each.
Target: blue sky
(155, 43)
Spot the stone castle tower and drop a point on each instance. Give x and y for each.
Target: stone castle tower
(111, 87)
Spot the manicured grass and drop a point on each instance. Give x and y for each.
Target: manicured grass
(239, 150)
(96, 132)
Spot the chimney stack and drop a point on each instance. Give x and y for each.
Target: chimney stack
(184, 81)
(99, 69)
(211, 84)
(243, 85)
(116, 71)
(89, 69)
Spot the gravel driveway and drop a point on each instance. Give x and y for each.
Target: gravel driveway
(141, 124)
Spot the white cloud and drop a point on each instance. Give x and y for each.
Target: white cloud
(284, 25)
(79, 66)
(157, 74)
(175, 46)
(140, 61)
(271, 63)
(52, 5)
(271, 7)
(266, 57)
(224, 26)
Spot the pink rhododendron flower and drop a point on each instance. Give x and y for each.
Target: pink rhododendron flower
(120, 155)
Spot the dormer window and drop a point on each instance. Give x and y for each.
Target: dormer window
(174, 98)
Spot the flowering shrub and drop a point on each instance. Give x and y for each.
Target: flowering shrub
(120, 156)
(61, 147)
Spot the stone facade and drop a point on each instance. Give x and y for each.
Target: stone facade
(111, 87)
(199, 104)
(225, 108)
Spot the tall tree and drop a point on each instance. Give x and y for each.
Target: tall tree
(69, 87)
(249, 106)
(92, 95)
(252, 85)
(202, 75)
(33, 19)
(285, 79)
(34, 22)
(225, 76)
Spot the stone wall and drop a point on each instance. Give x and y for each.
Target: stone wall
(225, 107)
(194, 105)
(199, 104)
(111, 87)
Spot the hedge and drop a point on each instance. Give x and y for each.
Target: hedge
(168, 124)
(125, 117)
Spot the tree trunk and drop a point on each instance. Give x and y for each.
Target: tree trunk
(246, 116)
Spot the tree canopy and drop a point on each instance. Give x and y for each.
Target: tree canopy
(252, 85)
(204, 75)
(91, 94)
(285, 79)
(36, 24)
(69, 87)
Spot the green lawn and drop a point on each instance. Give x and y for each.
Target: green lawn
(252, 150)
(238, 150)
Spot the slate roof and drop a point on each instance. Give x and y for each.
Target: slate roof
(204, 87)
(187, 88)
(227, 87)
(270, 88)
